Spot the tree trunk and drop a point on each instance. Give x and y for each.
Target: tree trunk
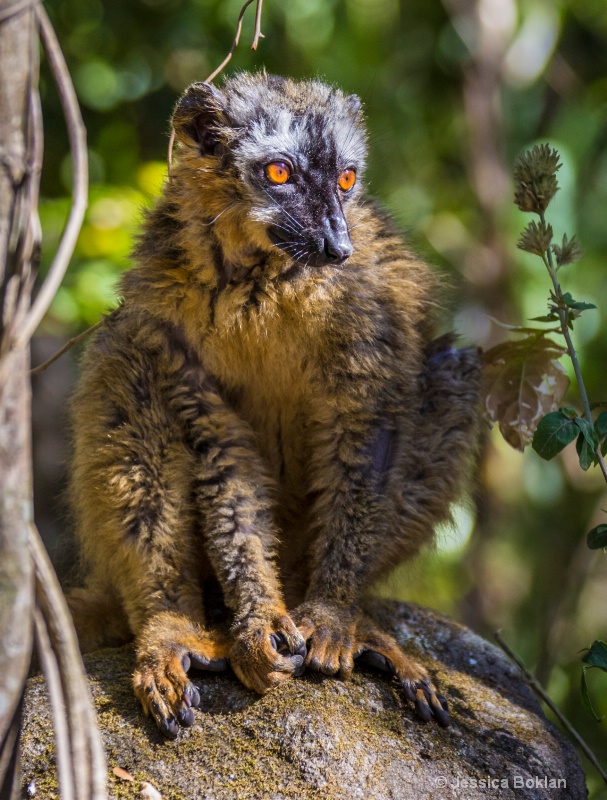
(18, 186)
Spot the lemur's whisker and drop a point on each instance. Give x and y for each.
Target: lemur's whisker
(282, 208)
(214, 220)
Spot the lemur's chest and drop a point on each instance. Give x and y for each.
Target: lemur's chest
(269, 373)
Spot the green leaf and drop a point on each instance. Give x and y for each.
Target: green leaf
(554, 432)
(576, 304)
(569, 412)
(596, 539)
(588, 431)
(597, 655)
(600, 426)
(586, 453)
(547, 318)
(586, 697)
(587, 443)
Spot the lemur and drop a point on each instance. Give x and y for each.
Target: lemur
(266, 425)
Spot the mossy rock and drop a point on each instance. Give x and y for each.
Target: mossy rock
(317, 737)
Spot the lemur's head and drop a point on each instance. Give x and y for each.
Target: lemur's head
(274, 162)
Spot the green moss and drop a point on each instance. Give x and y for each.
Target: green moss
(315, 737)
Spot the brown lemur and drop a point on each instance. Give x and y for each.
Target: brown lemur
(267, 418)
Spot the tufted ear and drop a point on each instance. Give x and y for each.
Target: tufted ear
(199, 116)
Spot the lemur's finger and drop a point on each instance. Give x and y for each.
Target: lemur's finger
(376, 660)
(428, 704)
(208, 664)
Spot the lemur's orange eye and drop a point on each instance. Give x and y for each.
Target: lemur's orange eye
(347, 179)
(278, 172)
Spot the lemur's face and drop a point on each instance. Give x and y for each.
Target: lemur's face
(294, 154)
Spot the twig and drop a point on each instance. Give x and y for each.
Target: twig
(77, 138)
(538, 689)
(50, 669)
(256, 37)
(86, 751)
(258, 34)
(70, 343)
(571, 349)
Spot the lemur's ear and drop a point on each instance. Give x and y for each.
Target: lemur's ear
(199, 116)
(354, 104)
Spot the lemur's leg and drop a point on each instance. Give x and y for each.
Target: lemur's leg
(140, 540)
(233, 498)
(166, 477)
(385, 483)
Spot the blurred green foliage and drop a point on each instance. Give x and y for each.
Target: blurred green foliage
(453, 91)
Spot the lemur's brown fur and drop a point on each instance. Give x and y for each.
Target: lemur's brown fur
(266, 418)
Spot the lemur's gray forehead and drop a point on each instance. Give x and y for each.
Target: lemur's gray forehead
(277, 116)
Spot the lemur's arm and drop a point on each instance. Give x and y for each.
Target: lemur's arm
(233, 495)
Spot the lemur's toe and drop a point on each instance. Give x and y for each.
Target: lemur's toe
(380, 651)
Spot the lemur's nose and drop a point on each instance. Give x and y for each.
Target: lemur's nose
(337, 244)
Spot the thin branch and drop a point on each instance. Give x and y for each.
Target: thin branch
(226, 60)
(539, 690)
(258, 34)
(50, 670)
(256, 37)
(547, 259)
(86, 751)
(70, 343)
(77, 137)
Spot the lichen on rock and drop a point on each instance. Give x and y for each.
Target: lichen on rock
(321, 738)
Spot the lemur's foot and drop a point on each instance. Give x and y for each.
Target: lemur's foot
(330, 633)
(167, 647)
(379, 650)
(267, 651)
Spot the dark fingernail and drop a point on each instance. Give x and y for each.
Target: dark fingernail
(409, 691)
(439, 710)
(185, 662)
(442, 717)
(194, 697)
(299, 671)
(279, 642)
(169, 727)
(443, 701)
(302, 651)
(421, 706)
(297, 661)
(185, 717)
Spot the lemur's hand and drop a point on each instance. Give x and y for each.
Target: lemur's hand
(329, 631)
(166, 648)
(267, 651)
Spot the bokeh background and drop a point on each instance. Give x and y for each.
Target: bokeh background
(453, 91)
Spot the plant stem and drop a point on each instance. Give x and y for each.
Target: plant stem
(571, 349)
(537, 688)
